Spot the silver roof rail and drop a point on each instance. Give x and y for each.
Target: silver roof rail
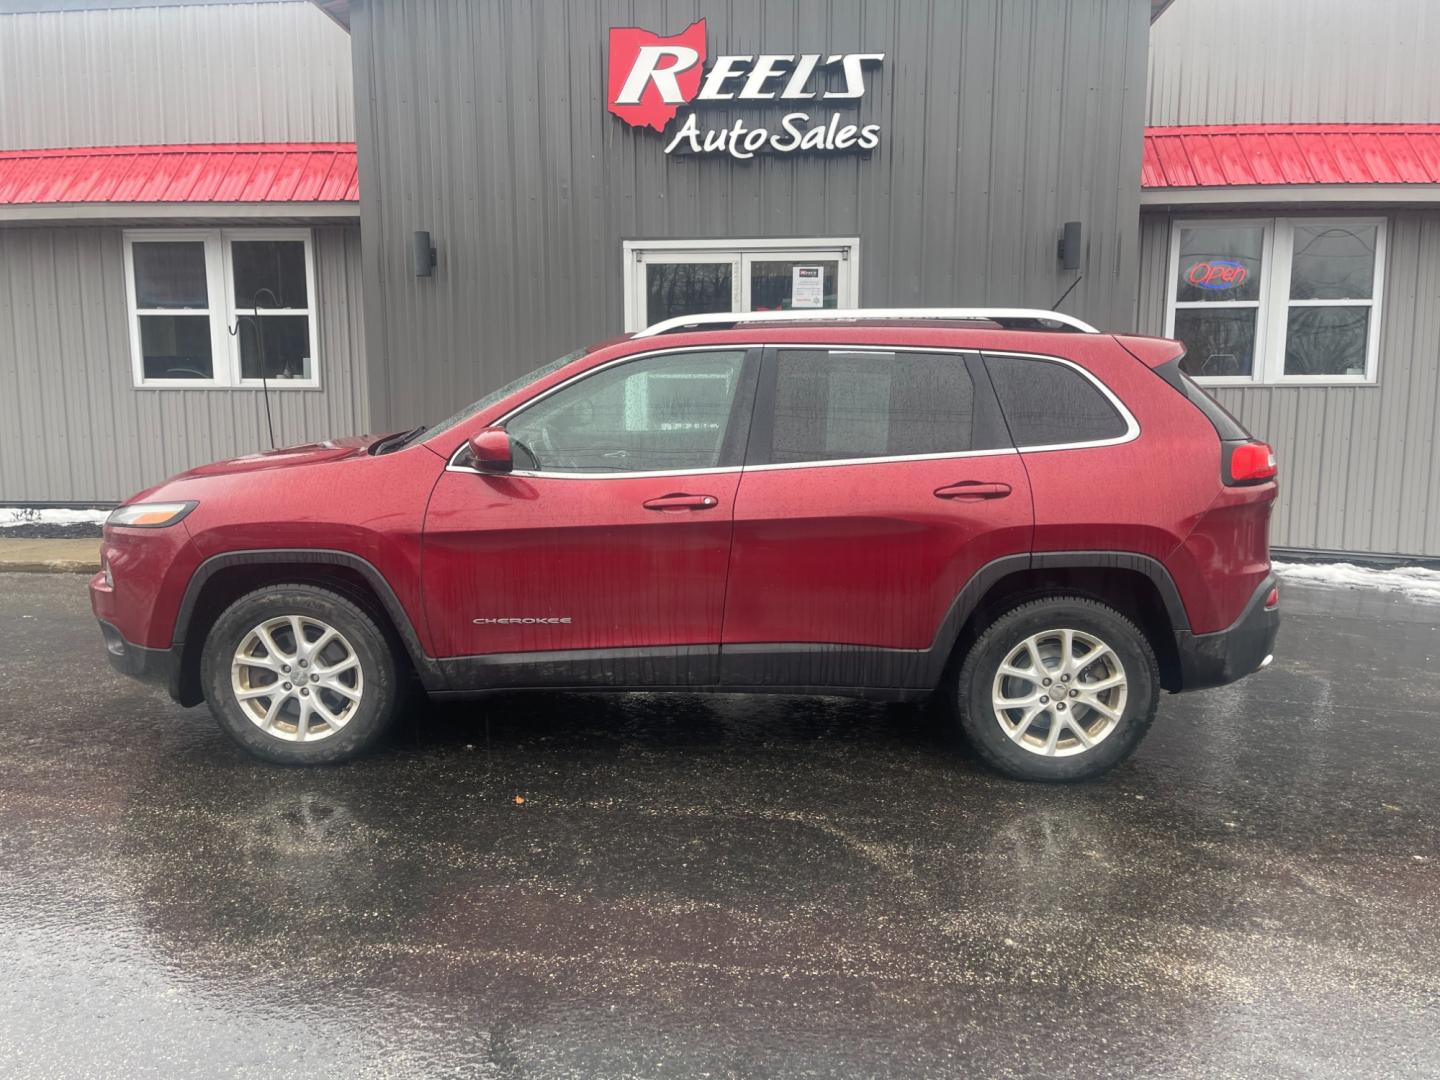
(735, 318)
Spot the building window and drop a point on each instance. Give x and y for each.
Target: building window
(667, 278)
(201, 300)
(1282, 300)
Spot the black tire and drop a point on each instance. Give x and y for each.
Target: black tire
(380, 696)
(975, 684)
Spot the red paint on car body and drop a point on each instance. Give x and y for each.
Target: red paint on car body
(865, 554)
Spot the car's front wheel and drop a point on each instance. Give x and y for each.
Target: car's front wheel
(1058, 689)
(300, 675)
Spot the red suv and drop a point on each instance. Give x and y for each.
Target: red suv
(1045, 524)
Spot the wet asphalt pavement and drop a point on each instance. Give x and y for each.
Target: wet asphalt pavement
(726, 887)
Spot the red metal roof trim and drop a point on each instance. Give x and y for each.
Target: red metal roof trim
(223, 173)
(1242, 155)
(1239, 155)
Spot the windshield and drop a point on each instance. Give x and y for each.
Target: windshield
(504, 392)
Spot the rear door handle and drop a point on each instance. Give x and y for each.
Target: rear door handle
(679, 500)
(972, 489)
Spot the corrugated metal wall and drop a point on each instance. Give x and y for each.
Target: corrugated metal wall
(1295, 61)
(1359, 466)
(193, 73)
(485, 122)
(76, 429)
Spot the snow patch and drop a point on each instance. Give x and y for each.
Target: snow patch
(27, 515)
(1411, 581)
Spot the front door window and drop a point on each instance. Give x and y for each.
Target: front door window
(663, 413)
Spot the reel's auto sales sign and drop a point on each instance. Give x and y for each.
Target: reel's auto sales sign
(652, 77)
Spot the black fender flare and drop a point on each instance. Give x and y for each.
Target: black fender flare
(430, 672)
(984, 579)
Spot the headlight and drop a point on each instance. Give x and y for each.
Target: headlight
(149, 515)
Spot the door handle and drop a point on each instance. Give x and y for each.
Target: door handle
(972, 489)
(679, 500)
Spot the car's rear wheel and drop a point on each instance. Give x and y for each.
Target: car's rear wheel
(300, 675)
(1058, 689)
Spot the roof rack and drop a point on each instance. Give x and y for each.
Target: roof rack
(997, 315)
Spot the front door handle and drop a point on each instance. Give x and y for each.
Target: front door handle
(679, 500)
(972, 489)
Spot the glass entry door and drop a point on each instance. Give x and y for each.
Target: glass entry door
(669, 278)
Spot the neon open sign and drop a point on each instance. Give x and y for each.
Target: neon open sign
(1217, 274)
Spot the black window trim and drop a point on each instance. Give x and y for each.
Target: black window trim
(762, 412)
(1132, 426)
(739, 418)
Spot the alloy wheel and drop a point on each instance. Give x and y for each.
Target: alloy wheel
(1059, 692)
(297, 678)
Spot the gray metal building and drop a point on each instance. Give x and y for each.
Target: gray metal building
(487, 125)
(78, 421)
(1268, 190)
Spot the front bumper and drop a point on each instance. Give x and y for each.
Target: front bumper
(1230, 654)
(160, 667)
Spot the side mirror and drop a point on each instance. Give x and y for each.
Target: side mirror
(490, 450)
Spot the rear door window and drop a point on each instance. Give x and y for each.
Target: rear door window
(1047, 403)
(858, 404)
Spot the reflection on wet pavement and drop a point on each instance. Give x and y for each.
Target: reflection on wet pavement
(735, 886)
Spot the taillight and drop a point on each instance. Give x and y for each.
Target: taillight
(1248, 463)
(1272, 599)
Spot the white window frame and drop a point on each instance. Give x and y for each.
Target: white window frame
(223, 312)
(1274, 303)
(740, 254)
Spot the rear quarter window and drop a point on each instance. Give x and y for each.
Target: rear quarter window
(1050, 404)
(1225, 425)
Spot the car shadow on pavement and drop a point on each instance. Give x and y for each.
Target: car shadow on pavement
(670, 721)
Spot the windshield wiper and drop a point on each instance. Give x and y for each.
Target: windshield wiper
(396, 441)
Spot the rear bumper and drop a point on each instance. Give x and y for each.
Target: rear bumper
(159, 667)
(1230, 654)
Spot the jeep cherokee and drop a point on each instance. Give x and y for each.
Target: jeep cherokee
(1042, 524)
